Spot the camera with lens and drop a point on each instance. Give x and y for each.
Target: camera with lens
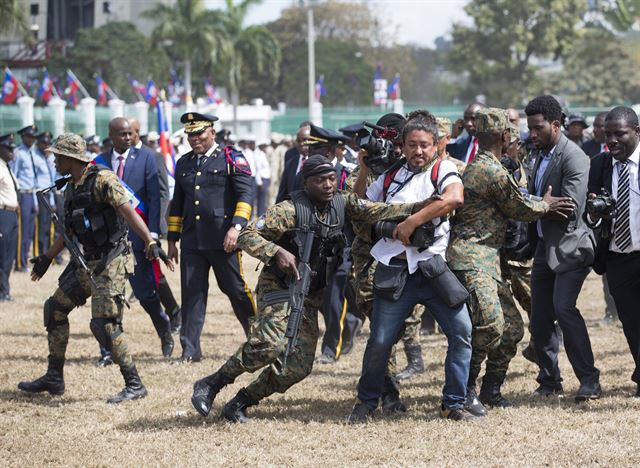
(602, 205)
(423, 237)
(379, 147)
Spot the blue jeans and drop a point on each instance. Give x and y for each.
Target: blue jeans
(386, 326)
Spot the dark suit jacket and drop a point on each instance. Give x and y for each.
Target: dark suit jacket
(591, 148)
(141, 175)
(165, 195)
(569, 243)
(288, 181)
(459, 148)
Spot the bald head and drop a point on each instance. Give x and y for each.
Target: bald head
(121, 134)
(135, 130)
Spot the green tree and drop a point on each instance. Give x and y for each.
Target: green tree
(621, 14)
(598, 72)
(502, 49)
(13, 18)
(187, 31)
(113, 51)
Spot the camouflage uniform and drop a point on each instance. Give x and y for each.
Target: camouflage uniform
(477, 233)
(266, 340)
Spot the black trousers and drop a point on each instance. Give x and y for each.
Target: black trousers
(623, 274)
(553, 297)
(8, 247)
(194, 277)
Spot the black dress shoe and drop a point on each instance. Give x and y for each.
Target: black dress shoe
(166, 342)
(589, 391)
(547, 391)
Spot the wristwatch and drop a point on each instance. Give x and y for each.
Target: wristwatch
(238, 227)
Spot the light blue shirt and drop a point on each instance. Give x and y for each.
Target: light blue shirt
(23, 167)
(44, 172)
(540, 191)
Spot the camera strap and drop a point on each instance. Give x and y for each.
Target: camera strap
(389, 177)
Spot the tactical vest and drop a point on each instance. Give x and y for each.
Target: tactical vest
(97, 226)
(329, 240)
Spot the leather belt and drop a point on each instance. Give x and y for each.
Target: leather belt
(8, 208)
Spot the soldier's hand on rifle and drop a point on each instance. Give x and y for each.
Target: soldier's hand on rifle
(286, 261)
(154, 251)
(40, 266)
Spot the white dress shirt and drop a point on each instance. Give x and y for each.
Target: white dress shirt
(417, 188)
(115, 162)
(634, 201)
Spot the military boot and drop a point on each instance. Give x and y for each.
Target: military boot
(415, 364)
(235, 410)
(133, 388)
(490, 391)
(205, 391)
(472, 403)
(51, 382)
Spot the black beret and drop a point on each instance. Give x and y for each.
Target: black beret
(315, 165)
(392, 120)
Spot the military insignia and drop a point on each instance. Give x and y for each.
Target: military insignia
(260, 223)
(190, 117)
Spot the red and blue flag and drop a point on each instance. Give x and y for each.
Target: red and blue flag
(9, 88)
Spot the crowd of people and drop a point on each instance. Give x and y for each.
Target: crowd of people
(410, 223)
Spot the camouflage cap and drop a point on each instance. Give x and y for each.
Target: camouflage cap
(444, 126)
(71, 145)
(491, 120)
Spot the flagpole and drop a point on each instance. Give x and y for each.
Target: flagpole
(80, 85)
(110, 91)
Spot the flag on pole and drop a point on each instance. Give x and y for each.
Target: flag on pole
(213, 96)
(165, 145)
(46, 88)
(320, 89)
(71, 91)
(151, 94)
(9, 88)
(379, 87)
(394, 88)
(102, 91)
(138, 88)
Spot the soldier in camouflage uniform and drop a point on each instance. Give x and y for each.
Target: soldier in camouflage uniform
(97, 210)
(272, 240)
(477, 234)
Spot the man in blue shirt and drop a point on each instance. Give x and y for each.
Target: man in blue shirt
(23, 166)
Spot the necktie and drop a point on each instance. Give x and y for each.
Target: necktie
(120, 167)
(474, 150)
(621, 227)
(605, 148)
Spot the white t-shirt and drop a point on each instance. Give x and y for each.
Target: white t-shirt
(409, 187)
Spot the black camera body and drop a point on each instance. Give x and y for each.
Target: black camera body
(602, 205)
(379, 147)
(423, 237)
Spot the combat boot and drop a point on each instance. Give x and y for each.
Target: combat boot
(205, 391)
(133, 388)
(235, 410)
(391, 402)
(490, 391)
(415, 364)
(472, 404)
(51, 382)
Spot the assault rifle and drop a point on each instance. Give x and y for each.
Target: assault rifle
(76, 255)
(298, 290)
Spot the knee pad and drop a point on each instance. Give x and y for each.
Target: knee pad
(54, 314)
(105, 330)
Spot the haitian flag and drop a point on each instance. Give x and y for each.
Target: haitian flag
(102, 91)
(166, 148)
(394, 87)
(319, 88)
(138, 88)
(9, 88)
(71, 92)
(212, 93)
(46, 88)
(152, 93)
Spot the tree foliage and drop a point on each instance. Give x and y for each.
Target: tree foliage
(113, 51)
(502, 50)
(598, 72)
(621, 14)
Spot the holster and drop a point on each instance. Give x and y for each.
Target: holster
(389, 280)
(443, 281)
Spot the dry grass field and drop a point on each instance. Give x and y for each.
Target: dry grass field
(306, 425)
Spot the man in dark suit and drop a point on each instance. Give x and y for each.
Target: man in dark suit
(597, 145)
(211, 205)
(293, 161)
(137, 169)
(563, 253)
(465, 148)
(618, 252)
